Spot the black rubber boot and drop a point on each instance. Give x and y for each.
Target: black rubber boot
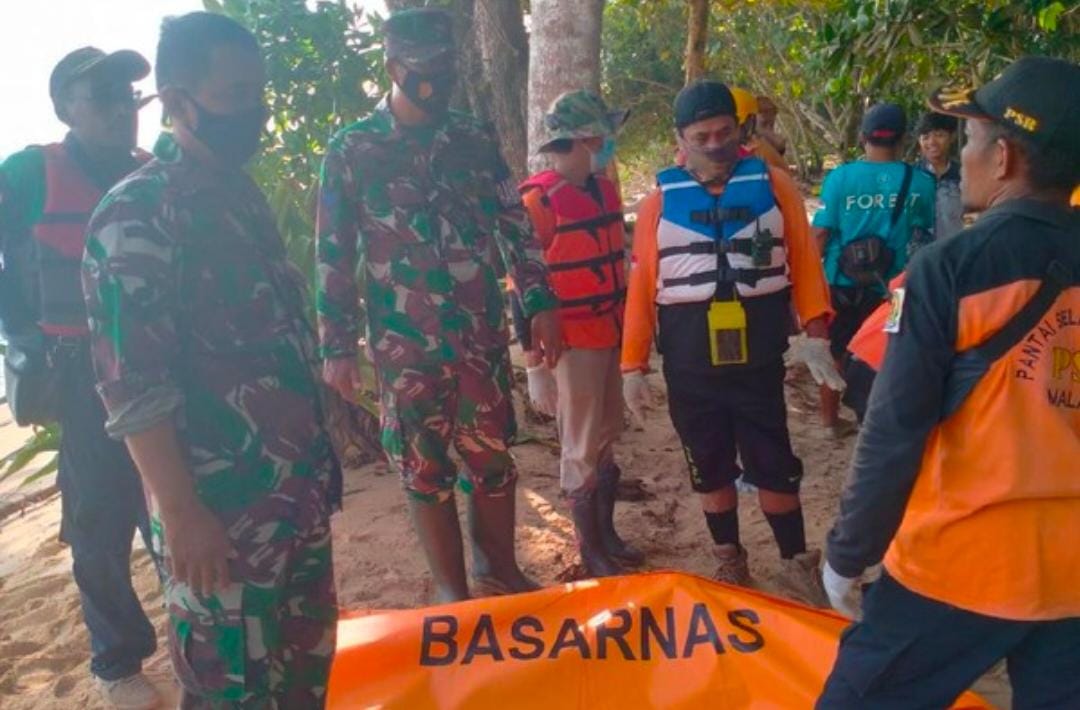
(440, 535)
(491, 526)
(587, 527)
(615, 546)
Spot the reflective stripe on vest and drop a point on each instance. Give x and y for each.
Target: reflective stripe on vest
(687, 239)
(586, 256)
(60, 235)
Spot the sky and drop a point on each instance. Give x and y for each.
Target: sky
(35, 35)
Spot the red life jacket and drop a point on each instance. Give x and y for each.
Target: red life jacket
(60, 236)
(586, 259)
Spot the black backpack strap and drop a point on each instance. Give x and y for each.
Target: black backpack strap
(969, 366)
(905, 188)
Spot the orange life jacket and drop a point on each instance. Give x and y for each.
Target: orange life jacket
(585, 258)
(60, 235)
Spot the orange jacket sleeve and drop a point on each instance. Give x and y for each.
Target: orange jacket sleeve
(640, 320)
(810, 290)
(543, 221)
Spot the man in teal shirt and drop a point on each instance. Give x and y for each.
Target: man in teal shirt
(876, 203)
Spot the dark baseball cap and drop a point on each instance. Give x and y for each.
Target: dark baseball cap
(419, 37)
(1039, 97)
(884, 123)
(703, 99)
(125, 65)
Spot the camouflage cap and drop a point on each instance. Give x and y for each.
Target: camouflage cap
(420, 36)
(580, 114)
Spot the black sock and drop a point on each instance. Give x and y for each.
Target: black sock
(724, 527)
(789, 532)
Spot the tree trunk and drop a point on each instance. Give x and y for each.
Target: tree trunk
(696, 35)
(564, 55)
(504, 51)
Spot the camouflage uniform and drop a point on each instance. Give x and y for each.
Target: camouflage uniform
(197, 317)
(421, 215)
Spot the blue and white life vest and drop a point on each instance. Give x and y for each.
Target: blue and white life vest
(696, 226)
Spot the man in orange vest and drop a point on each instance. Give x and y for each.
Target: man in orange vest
(722, 249)
(577, 214)
(47, 194)
(965, 475)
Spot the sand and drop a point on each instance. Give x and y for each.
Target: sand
(44, 647)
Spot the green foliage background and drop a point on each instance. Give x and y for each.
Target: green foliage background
(823, 61)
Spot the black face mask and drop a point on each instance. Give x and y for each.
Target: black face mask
(437, 102)
(232, 137)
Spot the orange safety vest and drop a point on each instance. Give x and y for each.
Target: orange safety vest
(60, 236)
(585, 259)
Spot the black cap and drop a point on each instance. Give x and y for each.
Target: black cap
(1037, 96)
(125, 65)
(420, 36)
(884, 123)
(701, 100)
(934, 121)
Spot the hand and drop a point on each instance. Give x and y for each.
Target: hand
(840, 590)
(197, 548)
(814, 353)
(343, 375)
(547, 336)
(543, 392)
(637, 394)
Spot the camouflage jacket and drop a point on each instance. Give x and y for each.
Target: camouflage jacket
(195, 314)
(421, 215)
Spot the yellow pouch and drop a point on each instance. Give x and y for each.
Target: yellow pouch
(727, 333)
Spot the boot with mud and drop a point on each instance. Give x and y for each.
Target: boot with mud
(491, 526)
(732, 565)
(437, 527)
(800, 579)
(594, 557)
(615, 546)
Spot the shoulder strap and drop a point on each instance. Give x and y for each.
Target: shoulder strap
(969, 366)
(905, 188)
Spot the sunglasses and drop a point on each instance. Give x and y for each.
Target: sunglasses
(109, 96)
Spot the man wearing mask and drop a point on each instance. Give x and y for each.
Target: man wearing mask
(46, 196)
(577, 214)
(721, 250)
(964, 481)
(208, 370)
(418, 200)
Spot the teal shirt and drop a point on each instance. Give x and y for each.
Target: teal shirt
(858, 201)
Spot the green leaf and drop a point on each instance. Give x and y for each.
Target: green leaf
(1048, 16)
(46, 470)
(213, 6)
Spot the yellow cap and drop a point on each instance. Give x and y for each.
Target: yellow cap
(745, 104)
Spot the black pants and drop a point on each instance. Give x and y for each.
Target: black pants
(860, 380)
(853, 305)
(102, 505)
(740, 413)
(911, 652)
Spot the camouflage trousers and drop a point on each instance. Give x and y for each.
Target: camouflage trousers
(267, 641)
(467, 404)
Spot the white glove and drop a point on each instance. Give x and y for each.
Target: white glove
(840, 590)
(543, 392)
(637, 395)
(814, 353)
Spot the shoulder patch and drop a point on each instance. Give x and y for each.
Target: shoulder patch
(896, 311)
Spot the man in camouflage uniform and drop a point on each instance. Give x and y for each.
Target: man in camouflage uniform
(207, 368)
(418, 201)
